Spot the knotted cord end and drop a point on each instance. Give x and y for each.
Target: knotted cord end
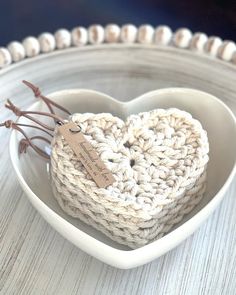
(35, 89)
(9, 105)
(8, 124)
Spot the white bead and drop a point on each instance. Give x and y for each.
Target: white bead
(128, 33)
(226, 50)
(5, 57)
(47, 42)
(112, 33)
(212, 45)
(16, 50)
(145, 34)
(182, 38)
(79, 36)
(63, 38)
(163, 35)
(96, 34)
(198, 42)
(31, 46)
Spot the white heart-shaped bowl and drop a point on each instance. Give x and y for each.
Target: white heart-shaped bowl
(216, 118)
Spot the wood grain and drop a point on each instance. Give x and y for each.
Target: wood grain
(34, 259)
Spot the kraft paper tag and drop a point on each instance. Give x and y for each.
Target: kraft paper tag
(86, 154)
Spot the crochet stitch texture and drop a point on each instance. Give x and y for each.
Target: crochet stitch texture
(159, 160)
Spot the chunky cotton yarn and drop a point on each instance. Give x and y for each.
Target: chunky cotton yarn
(159, 160)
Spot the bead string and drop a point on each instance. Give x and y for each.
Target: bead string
(112, 33)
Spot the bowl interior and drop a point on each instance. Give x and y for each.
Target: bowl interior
(215, 117)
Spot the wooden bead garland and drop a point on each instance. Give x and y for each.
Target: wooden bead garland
(112, 33)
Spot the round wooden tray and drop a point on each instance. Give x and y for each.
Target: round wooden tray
(122, 71)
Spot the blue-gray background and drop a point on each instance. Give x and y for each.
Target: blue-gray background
(30, 17)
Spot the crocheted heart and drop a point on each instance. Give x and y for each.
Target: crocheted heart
(158, 159)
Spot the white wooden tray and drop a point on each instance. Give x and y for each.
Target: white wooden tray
(123, 71)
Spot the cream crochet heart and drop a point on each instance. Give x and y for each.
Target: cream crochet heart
(158, 159)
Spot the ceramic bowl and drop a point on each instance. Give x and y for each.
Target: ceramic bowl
(216, 118)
